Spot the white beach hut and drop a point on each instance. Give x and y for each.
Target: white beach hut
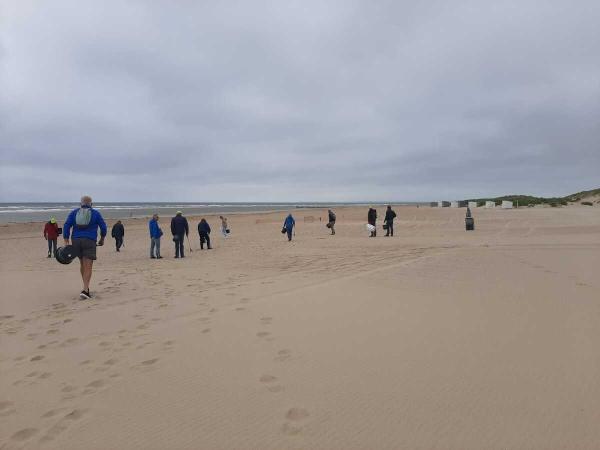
(453, 204)
(507, 204)
(472, 205)
(490, 204)
(440, 204)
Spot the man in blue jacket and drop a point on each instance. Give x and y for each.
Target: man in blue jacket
(289, 225)
(155, 234)
(85, 222)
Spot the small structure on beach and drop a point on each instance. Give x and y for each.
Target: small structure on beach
(506, 204)
(490, 204)
(454, 204)
(433, 204)
(472, 205)
(443, 204)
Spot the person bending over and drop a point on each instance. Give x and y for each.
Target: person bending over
(204, 232)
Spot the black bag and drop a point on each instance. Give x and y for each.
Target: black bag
(65, 255)
(283, 230)
(328, 225)
(385, 226)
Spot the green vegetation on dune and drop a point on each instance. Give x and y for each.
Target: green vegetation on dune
(525, 200)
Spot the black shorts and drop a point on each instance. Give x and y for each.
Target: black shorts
(84, 248)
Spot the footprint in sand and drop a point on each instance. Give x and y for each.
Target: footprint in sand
(6, 408)
(283, 355)
(206, 330)
(267, 379)
(37, 358)
(295, 416)
(62, 424)
(266, 320)
(149, 362)
(24, 434)
(262, 334)
(51, 413)
(96, 384)
(240, 308)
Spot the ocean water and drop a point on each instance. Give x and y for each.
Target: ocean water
(42, 212)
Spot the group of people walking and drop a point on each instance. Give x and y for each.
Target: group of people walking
(82, 225)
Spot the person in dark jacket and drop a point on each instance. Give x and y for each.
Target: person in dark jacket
(204, 232)
(390, 215)
(372, 219)
(331, 223)
(179, 229)
(289, 225)
(51, 235)
(118, 232)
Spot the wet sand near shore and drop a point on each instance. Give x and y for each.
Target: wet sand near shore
(436, 338)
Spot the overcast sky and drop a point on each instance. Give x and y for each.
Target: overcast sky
(298, 100)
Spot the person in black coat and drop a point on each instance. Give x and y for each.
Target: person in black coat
(390, 215)
(372, 219)
(204, 232)
(118, 232)
(179, 229)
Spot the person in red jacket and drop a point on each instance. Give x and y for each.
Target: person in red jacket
(51, 234)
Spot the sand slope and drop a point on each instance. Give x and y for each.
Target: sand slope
(436, 338)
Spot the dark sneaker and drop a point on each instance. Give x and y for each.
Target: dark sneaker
(85, 295)
(153, 257)
(159, 257)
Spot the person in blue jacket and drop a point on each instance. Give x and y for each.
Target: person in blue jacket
(289, 225)
(85, 222)
(155, 234)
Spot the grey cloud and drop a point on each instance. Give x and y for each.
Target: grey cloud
(300, 100)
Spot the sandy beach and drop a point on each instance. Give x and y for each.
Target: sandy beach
(436, 338)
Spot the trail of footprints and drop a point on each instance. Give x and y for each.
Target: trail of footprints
(100, 375)
(295, 418)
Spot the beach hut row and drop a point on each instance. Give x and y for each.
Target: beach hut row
(461, 204)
